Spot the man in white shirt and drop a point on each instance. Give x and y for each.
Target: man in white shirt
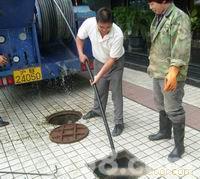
(3, 61)
(107, 48)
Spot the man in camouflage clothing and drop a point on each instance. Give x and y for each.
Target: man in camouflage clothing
(168, 66)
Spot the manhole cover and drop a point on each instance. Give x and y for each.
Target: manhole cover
(64, 117)
(68, 133)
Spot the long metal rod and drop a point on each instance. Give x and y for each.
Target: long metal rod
(102, 111)
(29, 173)
(94, 86)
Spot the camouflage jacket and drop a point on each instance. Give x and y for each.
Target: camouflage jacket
(170, 44)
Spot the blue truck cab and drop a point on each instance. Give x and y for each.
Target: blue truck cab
(29, 59)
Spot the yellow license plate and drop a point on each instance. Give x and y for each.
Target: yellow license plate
(27, 75)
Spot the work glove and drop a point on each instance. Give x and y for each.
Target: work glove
(170, 81)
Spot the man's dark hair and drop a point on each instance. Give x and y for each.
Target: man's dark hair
(104, 15)
(160, 1)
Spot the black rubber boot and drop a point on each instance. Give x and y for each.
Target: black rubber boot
(165, 125)
(179, 149)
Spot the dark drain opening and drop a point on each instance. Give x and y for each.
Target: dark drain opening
(123, 166)
(64, 117)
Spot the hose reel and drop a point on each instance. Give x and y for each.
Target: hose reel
(50, 22)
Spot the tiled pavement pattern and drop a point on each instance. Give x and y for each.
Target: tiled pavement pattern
(138, 87)
(25, 144)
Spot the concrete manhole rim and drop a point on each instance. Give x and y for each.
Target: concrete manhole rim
(50, 118)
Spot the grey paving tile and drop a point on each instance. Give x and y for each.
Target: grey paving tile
(28, 146)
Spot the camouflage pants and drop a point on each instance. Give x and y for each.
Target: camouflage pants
(170, 102)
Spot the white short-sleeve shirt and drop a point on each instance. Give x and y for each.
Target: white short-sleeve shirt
(111, 45)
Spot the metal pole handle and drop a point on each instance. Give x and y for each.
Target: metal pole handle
(102, 111)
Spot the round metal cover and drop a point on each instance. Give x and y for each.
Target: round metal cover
(69, 133)
(64, 117)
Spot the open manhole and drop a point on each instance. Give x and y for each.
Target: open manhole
(123, 166)
(68, 133)
(64, 117)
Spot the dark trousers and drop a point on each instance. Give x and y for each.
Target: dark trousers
(170, 102)
(112, 79)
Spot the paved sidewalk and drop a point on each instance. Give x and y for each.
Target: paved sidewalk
(138, 87)
(25, 144)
